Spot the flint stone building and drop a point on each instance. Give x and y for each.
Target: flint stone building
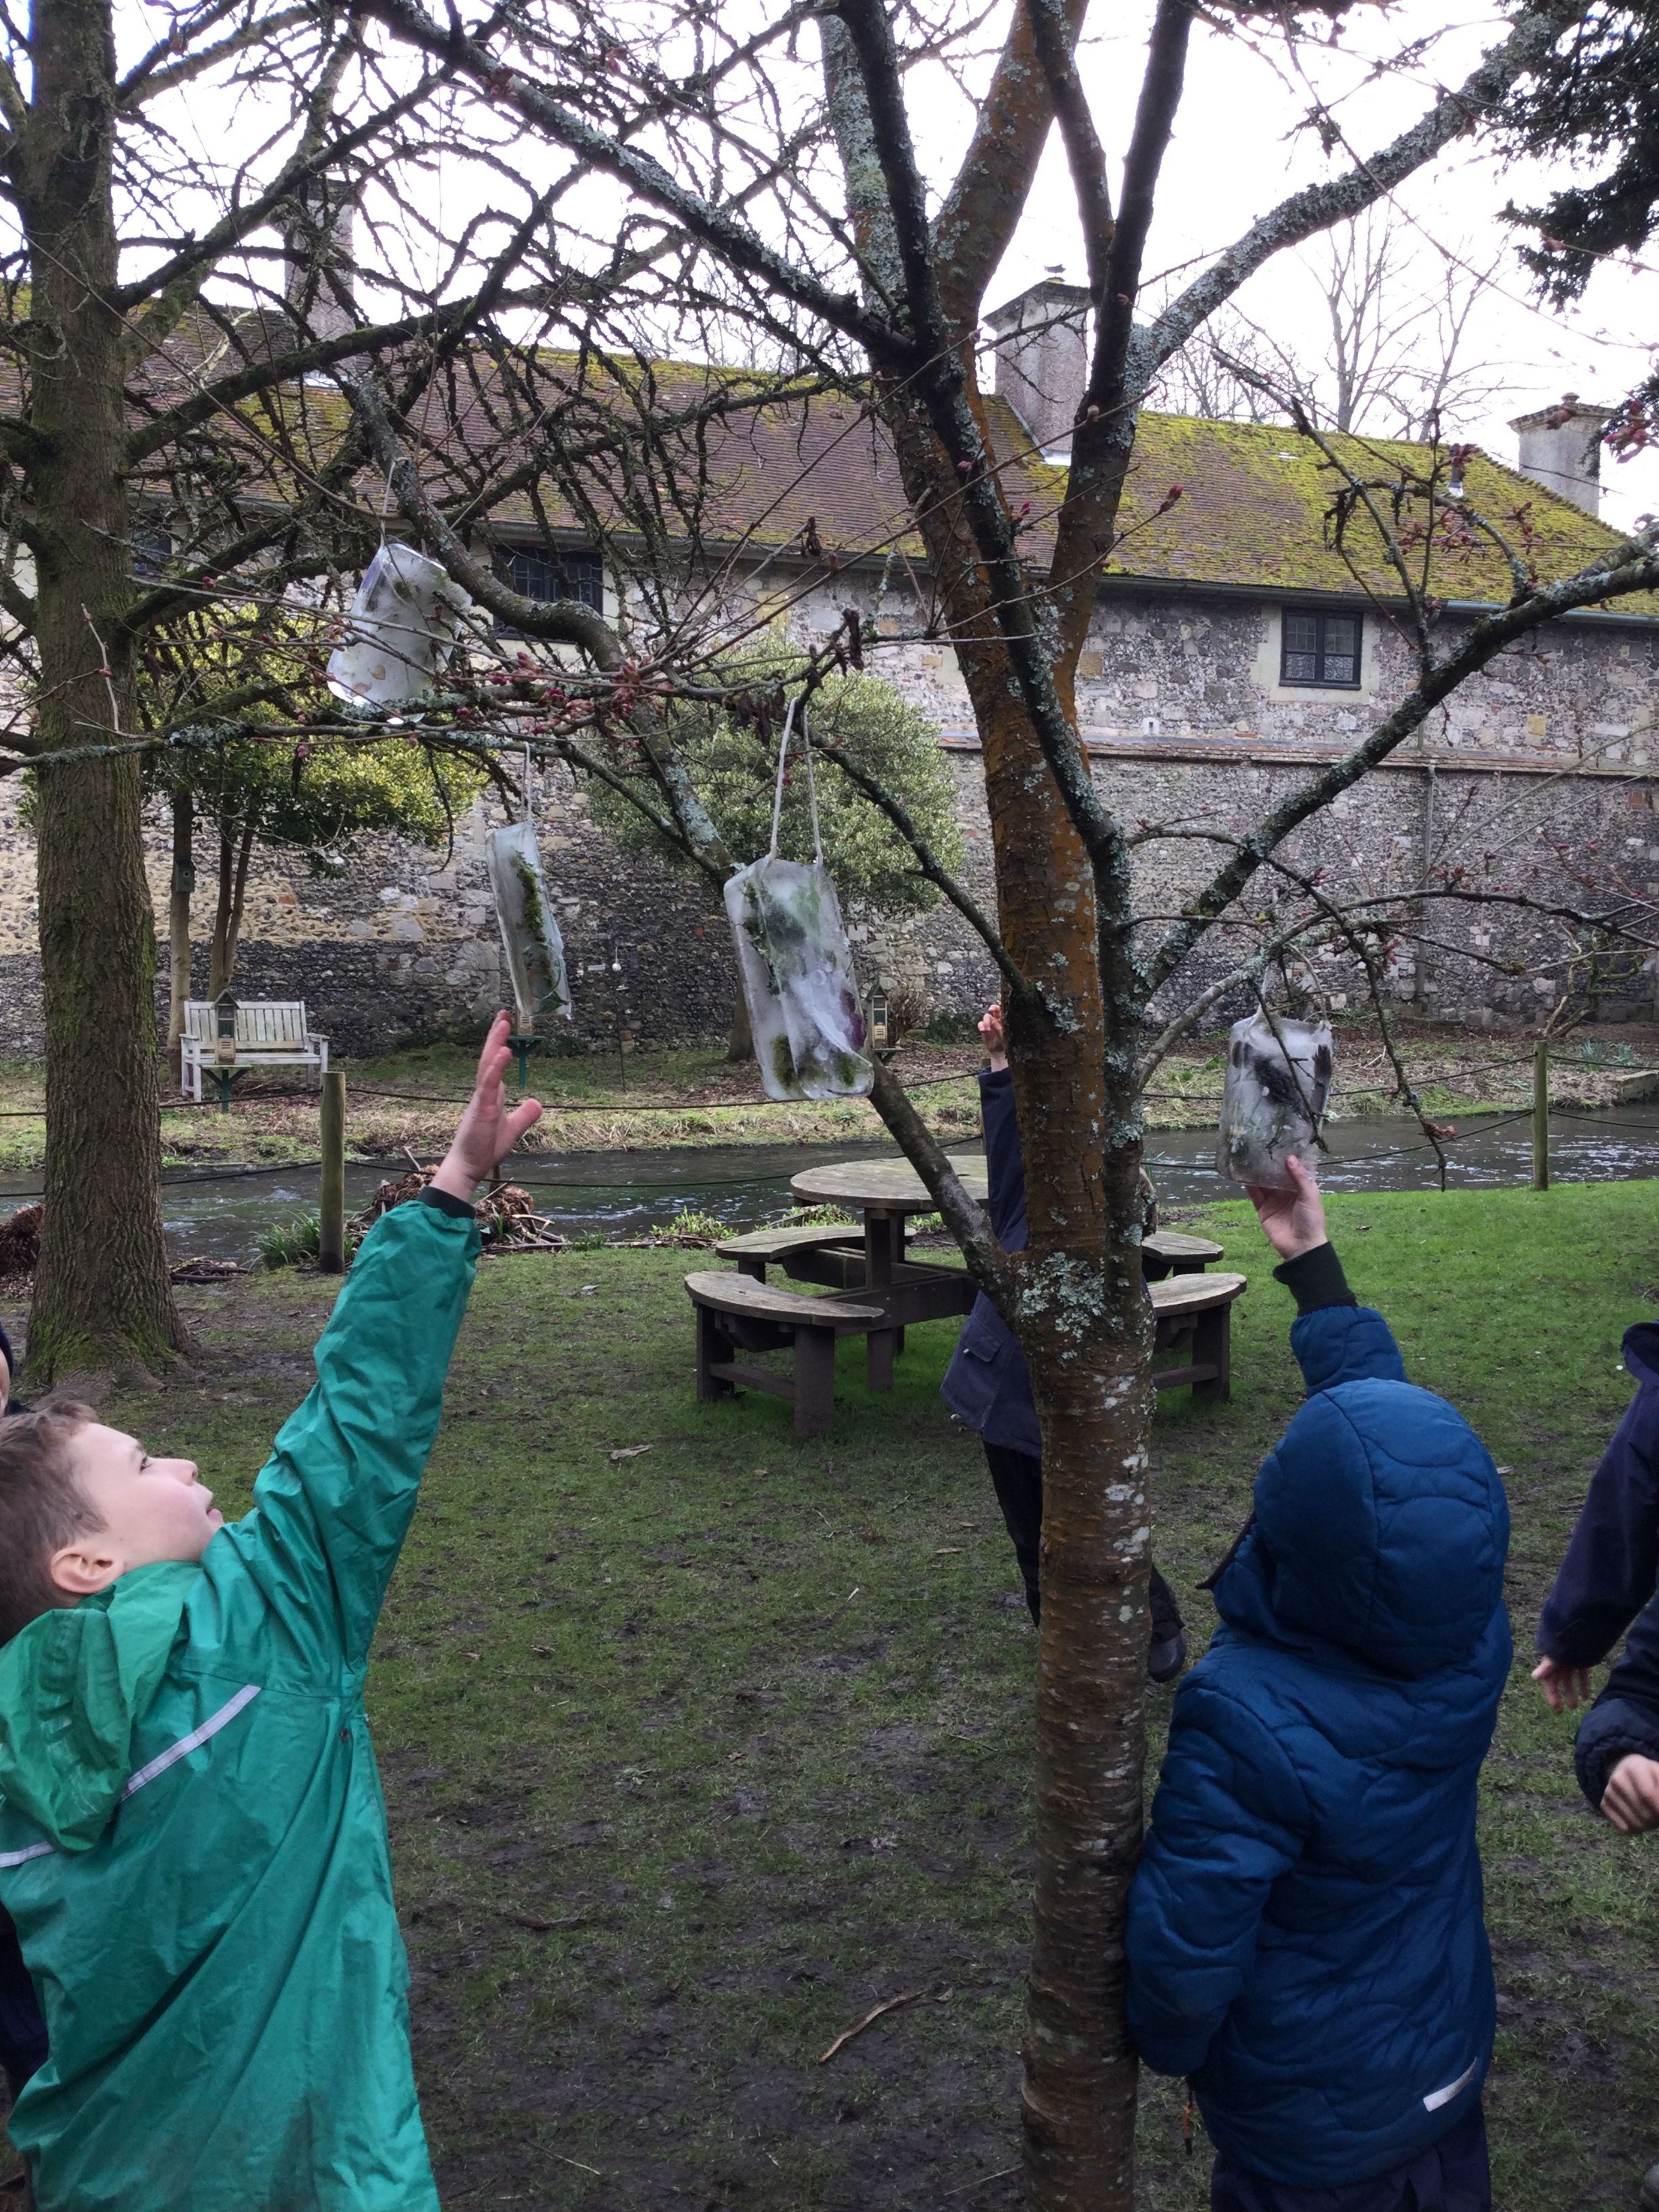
(1232, 650)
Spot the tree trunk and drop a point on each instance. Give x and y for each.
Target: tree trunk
(101, 1291)
(235, 850)
(741, 1046)
(181, 890)
(1077, 1308)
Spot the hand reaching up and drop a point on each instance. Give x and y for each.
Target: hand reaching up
(1292, 1221)
(990, 1030)
(487, 1132)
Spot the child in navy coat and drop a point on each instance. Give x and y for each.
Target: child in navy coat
(1606, 1585)
(1305, 1932)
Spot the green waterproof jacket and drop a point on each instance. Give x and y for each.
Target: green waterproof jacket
(192, 1839)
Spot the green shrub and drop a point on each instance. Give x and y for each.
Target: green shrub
(296, 1243)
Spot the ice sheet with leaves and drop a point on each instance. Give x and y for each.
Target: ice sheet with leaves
(796, 968)
(403, 620)
(529, 932)
(1279, 1077)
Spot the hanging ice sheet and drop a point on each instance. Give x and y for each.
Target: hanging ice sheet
(403, 619)
(530, 934)
(796, 967)
(1274, 1098)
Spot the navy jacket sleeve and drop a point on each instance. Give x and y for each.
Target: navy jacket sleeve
(1624, 1718)
(1229, 1818)
(1004, 1163)
(1612, 1562)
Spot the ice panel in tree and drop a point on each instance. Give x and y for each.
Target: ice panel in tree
(403, 620)
(1279, 1077)
(530, 934)
(796, 968)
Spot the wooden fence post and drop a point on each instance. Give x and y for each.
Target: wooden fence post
(330, 1243)
(1541, 1115)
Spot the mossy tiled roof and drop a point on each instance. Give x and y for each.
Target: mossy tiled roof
(1254, 512)
(1256, 501)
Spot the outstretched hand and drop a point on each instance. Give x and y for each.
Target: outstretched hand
(1566, 1687)
(487, 1132)
(1292, 1221)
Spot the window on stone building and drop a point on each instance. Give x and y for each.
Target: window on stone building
(152, 548)
(538, 572)
(1320, 647)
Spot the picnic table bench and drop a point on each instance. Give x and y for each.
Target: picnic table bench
(737, 1314)
(1181, 1255)
(875, 1290)
(268, 1033)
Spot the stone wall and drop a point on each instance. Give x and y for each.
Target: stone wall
(1539, 773)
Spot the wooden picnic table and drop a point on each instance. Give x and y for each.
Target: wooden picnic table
(886, 1193)
(877, 1291)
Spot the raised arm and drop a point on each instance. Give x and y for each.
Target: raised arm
(333, 1503)
(1611, 1563)
(1334, 1338)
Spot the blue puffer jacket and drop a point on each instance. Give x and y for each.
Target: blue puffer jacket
(1305, 1932)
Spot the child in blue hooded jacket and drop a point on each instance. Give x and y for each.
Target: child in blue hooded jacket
(1306, 1940)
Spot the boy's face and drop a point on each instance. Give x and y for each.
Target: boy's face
(147, 1509)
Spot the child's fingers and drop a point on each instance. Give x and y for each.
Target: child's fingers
(520, 1119)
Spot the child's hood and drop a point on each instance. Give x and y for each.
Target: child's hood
(1381, 1524)
(1641, 1351)
(74, 1686)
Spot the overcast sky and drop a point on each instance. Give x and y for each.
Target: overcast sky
(1236, 151)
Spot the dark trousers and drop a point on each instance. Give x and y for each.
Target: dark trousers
(22, 2028)
(1018, 1476)
(1450, 2177)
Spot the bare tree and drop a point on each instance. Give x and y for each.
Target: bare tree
(868, 267)
(1399, 314)
(201, 231)
(745, 198)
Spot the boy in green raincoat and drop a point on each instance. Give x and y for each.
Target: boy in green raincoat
(192, 1840)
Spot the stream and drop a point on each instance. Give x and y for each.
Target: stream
(220, 1213)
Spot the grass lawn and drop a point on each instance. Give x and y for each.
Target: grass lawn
(694, 1756)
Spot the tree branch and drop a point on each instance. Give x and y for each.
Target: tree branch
(1085, 157)
(932, 868)
(965, 1219)
(1633, 566)
(733, 241)
(561, 621)
(1319, 206)
(976, 223)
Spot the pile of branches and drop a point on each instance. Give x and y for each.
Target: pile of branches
(20, 1244)
(508, 1219)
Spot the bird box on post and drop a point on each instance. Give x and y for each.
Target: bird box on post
(878, 1036)
(224, 1050)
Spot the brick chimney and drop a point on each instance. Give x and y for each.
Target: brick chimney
(1041, 349)
(1561, 449)
(318, 239)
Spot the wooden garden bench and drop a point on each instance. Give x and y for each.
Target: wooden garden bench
(1195, 1315)
(270, 1033)
(1182, 1254)
(759, 1248)
(736, 1314)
